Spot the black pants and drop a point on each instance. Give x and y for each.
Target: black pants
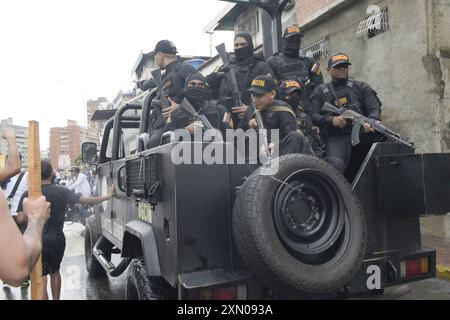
(155, 138)
(293, 142)
(339, 148)
(338, 151)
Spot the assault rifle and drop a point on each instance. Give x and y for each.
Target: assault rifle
(161, 101)
(359, 120)
(187, 106)
(231, 75)
(261, 129)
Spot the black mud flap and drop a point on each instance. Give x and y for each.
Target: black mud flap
(191, 284)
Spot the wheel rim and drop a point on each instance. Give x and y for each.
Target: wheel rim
(309, 215)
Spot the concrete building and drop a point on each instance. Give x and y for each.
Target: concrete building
(93, 105)
(21, 139)
(401, 48)
(65, 143)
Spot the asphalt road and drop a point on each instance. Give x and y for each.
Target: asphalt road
(77, 285)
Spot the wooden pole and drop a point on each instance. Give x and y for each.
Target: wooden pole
(34, 191)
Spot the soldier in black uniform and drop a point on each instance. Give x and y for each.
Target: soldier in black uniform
(343, 92)
(291, 92)
(176, 72)
(173, 84)
(247, 66)
(275, 114)
(291, 65)
(197, 92)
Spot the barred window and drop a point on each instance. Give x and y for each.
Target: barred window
(374, 24)
(318, 49)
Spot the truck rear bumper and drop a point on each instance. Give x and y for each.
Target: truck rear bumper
(392, 268)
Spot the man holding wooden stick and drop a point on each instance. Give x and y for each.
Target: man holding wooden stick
(54, 241)
(19, 253)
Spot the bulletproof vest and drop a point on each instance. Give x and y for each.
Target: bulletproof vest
(304, 122)
(212, 113)
(244, 75)
(342, 97)
(291, 69)
(270, 115)
(210, 110)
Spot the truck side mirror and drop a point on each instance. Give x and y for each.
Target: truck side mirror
(89, 152)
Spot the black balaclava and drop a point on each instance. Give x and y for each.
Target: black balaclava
(294, 100)
(197, 96)
(246, 52)
(291, 46)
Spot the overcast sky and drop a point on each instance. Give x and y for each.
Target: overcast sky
(55, 55)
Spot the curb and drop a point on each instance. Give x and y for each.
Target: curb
(443, 272)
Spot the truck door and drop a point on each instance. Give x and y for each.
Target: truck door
(124, 147)
(104, 177)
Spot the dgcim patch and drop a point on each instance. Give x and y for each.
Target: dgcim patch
(293, 30)
(292, 84)
(259, 83)
(339, 57)
(341, 103)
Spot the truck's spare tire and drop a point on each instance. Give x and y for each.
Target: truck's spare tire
(301, 229)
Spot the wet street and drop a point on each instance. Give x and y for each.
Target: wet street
(77, 285)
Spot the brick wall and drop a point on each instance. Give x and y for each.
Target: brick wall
(55, 146)
(307, 8)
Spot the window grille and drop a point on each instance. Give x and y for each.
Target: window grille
(318, 49)
(374, 24)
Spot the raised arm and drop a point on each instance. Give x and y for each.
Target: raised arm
(13, 164)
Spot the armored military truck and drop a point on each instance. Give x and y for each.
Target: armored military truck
(202, 230)
(231, 231)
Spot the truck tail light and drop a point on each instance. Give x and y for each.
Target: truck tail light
(410, 268)
(225, 294)
(230, 293)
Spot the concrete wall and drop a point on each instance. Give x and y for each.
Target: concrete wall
(439, 47)
(402, 64)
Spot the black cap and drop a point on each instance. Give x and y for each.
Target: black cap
(165, 46)
(293, 30)
(338, 59)
(289, 86)
(262, 85)
(76, 169)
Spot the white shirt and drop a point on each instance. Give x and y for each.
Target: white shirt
(23, 186)
(81, 185)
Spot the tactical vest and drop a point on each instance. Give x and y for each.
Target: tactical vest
(270, 119)
(210, 110)
(291, 70)
(341, 98)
